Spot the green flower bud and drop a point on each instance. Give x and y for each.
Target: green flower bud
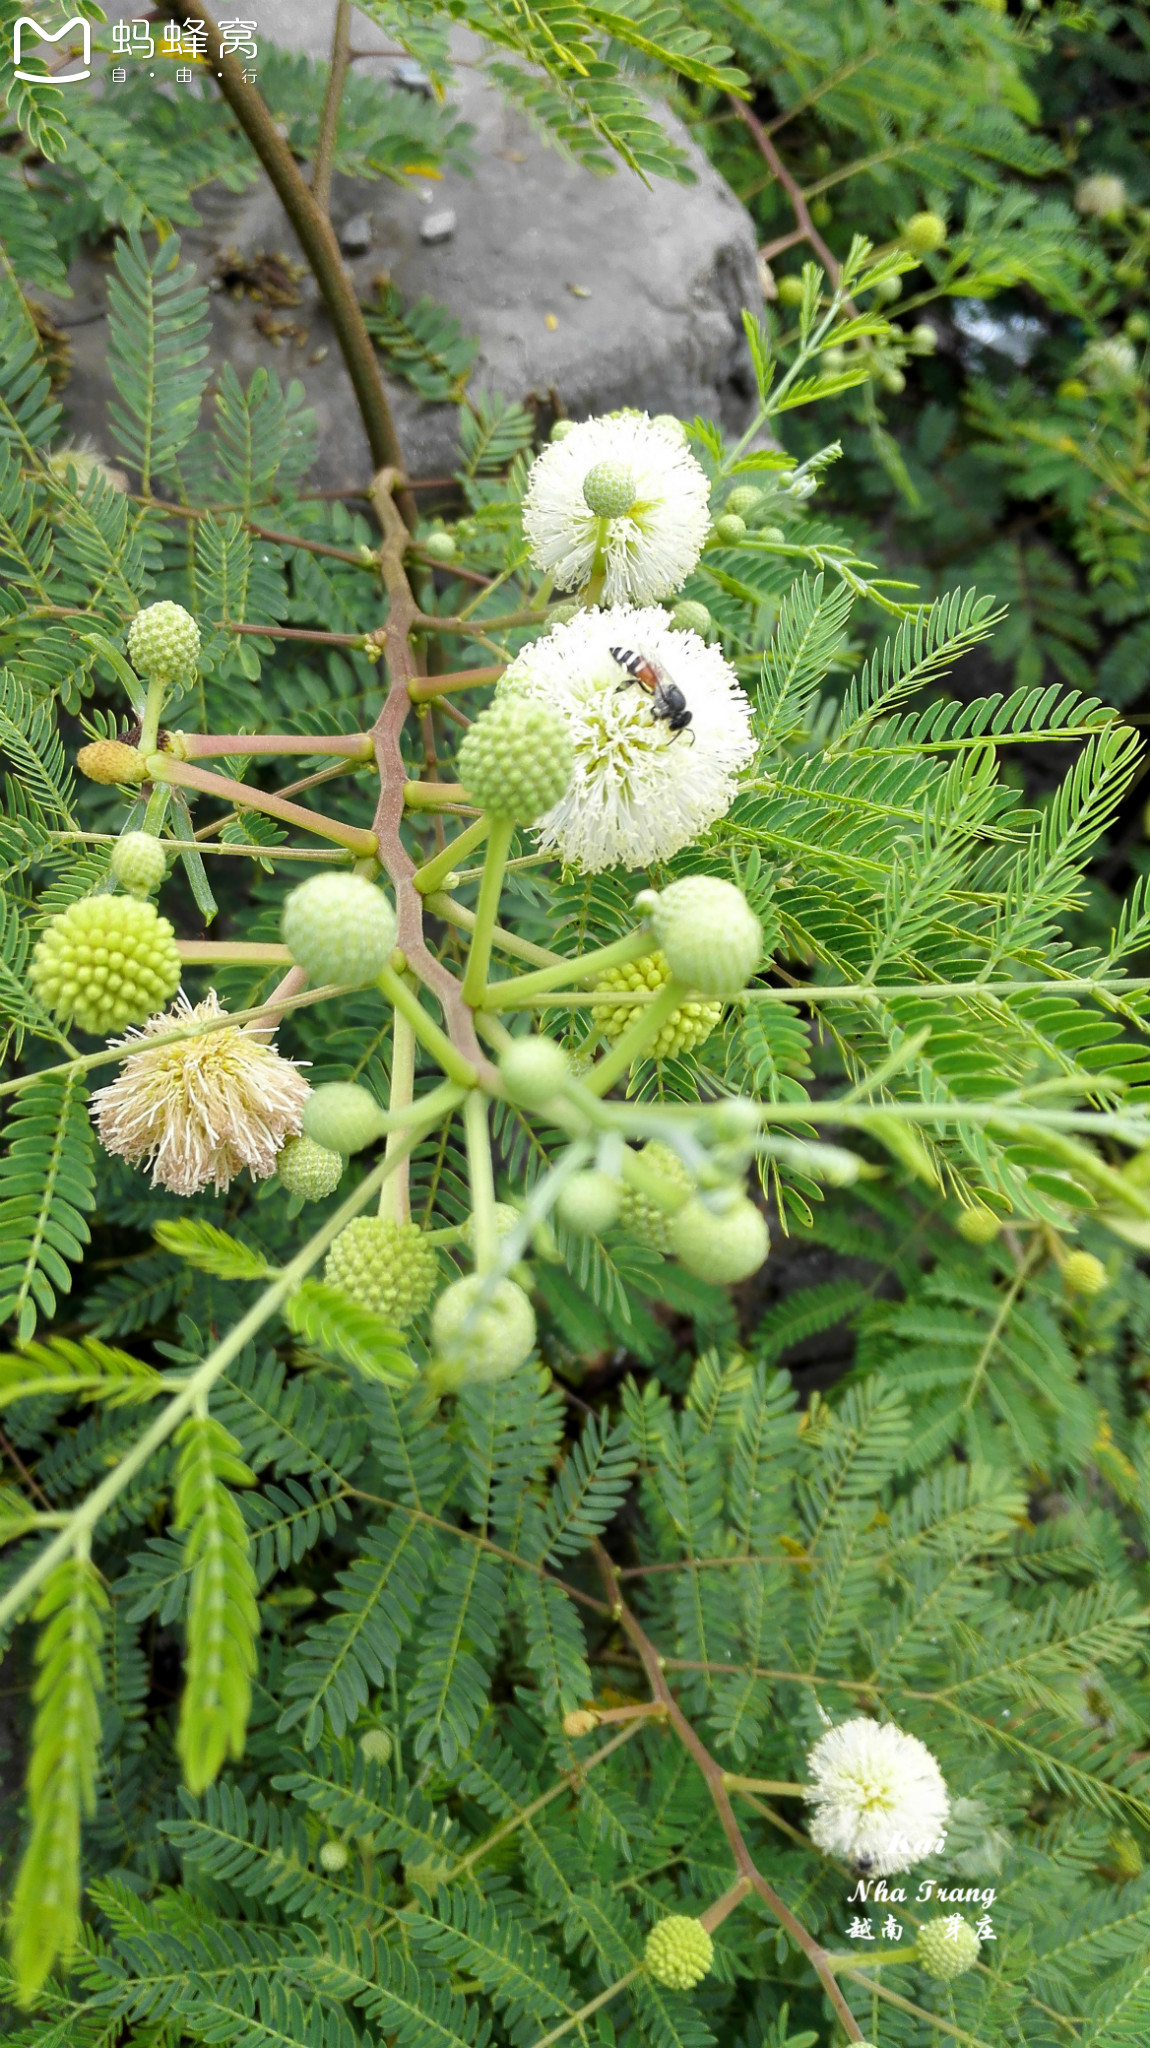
(672, 423)
(689, 617)
(376, 1746)
(343, 1117)
(561, 429)
(771, 534)
(887, 290)
(339, 928)
(1110, 364)
(385, 1266)
(744, 501)
(309, 1170)
(924, 233)
(833, 360)
(516, 760)
(685, 1028)
(1101, 197)
(164, 643)
(947, 1950)
(440, 546)
(609, 490)
(679, 1952)
(893, 381)
(978, 1224)
(711, 937)
(1083, 1274)
(534, 1071)
(923, 338)
(790, 291)
(589, 1203)
(639, 1216)
(730, 529)
(723, 1246)
(105, 962)
(480, 1332)
(138, 862)
(334, 1856)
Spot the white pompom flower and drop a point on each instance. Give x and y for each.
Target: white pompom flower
(879, 1796)
(201, 1109)
(642, 552)
(639, 791)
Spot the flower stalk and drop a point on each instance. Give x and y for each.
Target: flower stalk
(500, 833)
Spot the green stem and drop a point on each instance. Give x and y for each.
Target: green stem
(431, 1037)
(150, 724)
(637, 1037)
(482, 1179)
(434, 796)
(499, 836)
(165, 768)
(457, 914)
(434, 872)
(860, 1959)
(569, 972)
(781, 1786)
(395, 1194)
(593, 2006)
(156, 809)
(78, 1528)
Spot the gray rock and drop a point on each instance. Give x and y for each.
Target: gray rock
(438, 227)
(356, 235)
(586, 293)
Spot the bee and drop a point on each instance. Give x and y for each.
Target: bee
(667, 699)
(863, 1864)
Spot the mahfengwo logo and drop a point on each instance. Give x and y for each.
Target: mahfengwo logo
(27, 31)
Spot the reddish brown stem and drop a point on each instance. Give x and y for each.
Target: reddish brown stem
(297, 633)
(292, 984)
(712, 1773)
(793, 190)
(272, 533)
(392, 853)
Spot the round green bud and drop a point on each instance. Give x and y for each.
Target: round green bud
(893, 381)
(722, 1246)
(589, 1203)
(481, 1331)
(440, 546)
(1137, 326)
(506, 1219)
(822, 212)
(833, 360)
(771, 534)
(685, 1028)
(376, 1746)
(334, 1856)
(947, 1947)
(309, 1170)
(516, 760)
(887, 290)
(924, 233)
(385, 1266)
(138, 862)
(679, 1952)
(672, 423)
(562, 614)
(744, 501)
(639, 1216)
(609, 490)
(534, 1071)
(1110, 364)
(923, 338)
(730, 529)
(735, 1118)
(711, 937)
(343, 1117)
(1101, 197)
(790, 291)
(978, 1224)
(561, 429)
(164, 643)
(1072, 387)
(339, 928)
(1083, 1274)
(111, 761)
(105, 962)
(690, 617)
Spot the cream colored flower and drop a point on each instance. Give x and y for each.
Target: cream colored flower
(639, 791)
(880, 1799)
(647, 518)
(199, 1110)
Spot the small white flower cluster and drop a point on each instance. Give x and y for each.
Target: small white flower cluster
(878, 1795)
(618, 509)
